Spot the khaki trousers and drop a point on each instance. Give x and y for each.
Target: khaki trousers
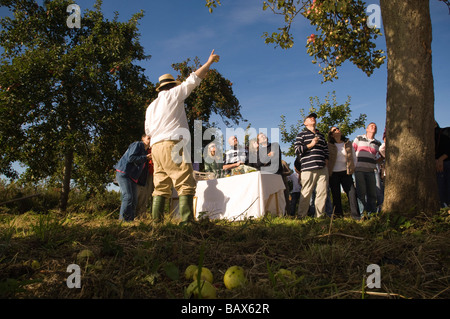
(313, 180)
(171, 171)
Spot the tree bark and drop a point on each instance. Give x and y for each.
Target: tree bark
(411, 186)
(68, 163)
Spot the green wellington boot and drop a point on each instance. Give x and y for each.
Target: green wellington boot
(186, 208)
(158, 203)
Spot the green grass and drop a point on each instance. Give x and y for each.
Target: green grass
(143, 260)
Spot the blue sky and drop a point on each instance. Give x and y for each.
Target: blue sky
(268, 81)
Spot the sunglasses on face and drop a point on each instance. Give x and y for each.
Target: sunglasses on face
(335, 129)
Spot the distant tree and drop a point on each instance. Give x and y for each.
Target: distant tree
(71, 99)
(329, 113)
(343, 35)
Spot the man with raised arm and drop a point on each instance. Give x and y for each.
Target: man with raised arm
(167, 124)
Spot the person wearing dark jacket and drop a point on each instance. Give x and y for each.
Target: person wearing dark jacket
(132, 170)
(442, 156)
(269, 156)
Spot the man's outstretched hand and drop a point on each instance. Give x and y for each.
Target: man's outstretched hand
(201, 72)
(213, 57)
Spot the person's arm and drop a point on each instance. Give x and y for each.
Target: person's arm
(230, 166)
(443, 148)
(299, 145)
(181, 92)
(138, 154)
(313, 142)
(203, 70)
(440, 163)
(382, 150)
(326, 151)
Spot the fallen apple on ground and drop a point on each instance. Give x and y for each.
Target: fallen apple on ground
(234, 277)
(189, 272)
(206, 291)
(286, 274)
(35, 264)
(205, 274)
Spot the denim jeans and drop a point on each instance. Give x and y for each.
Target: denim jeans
(380, 190)
(443, 180)
(128, 196)
(366, 191)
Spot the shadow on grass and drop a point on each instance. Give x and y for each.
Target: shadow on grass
(329, 258)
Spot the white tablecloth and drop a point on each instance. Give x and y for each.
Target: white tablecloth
(240, 196)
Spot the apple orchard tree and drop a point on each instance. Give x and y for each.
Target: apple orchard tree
(71, 99)
(343, 35)
(330, 113)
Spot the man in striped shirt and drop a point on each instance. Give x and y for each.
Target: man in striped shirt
(234, 157)
(366, 149)
(312, 150)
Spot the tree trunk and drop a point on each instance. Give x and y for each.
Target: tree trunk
(68, 163)
(411, 186)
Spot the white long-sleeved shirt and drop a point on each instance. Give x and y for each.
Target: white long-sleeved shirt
(165, 118)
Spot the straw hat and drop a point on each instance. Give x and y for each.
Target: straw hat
(166, 79)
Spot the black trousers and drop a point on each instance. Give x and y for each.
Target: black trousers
(336, 180)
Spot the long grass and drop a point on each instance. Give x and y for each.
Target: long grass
(144, 260)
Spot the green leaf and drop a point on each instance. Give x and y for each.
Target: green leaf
(172, 271)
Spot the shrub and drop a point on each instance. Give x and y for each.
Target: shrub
(17, 198)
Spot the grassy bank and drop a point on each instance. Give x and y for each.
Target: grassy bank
(142, 260)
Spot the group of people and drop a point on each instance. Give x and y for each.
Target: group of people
(323, 166)
(327, 166)
(260, 155)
